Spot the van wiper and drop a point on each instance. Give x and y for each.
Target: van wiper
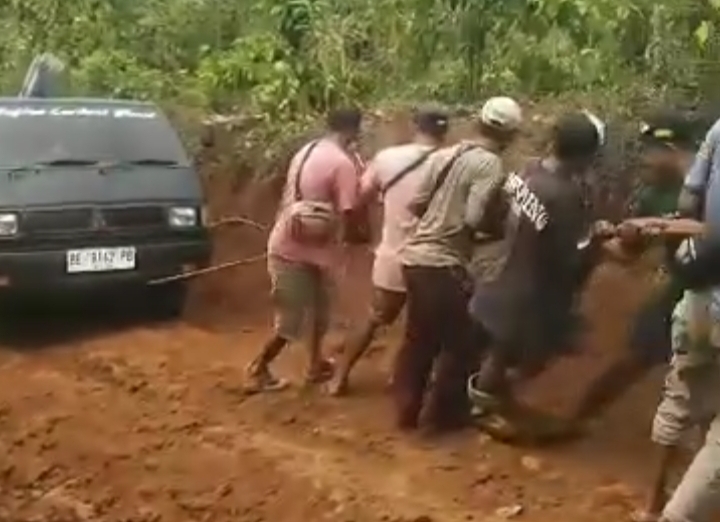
(155, 161)
(39, 165)
(68, 162)
(128, 164)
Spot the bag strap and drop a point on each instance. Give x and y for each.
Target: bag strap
(406, 170)
(445, 171)
(298, 195)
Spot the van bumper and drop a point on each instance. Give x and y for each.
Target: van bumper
(47, 269)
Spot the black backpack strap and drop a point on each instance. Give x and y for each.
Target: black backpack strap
(310, 148)
(406, 170)
(443, 174)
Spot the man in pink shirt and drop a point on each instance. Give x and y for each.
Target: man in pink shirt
(394, 175)
(318, 205)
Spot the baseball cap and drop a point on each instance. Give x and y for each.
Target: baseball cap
(431, 120)
(502, 113)
(667, 128)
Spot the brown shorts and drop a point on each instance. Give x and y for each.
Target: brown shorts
(299, 290)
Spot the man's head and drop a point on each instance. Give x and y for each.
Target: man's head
(576, 139)
(432, 123)
(500, 121)
(345, 124)
(668, 145)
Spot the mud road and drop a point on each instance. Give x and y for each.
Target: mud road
(126, 421)
(114, 420)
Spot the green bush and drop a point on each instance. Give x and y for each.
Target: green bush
(283, 58)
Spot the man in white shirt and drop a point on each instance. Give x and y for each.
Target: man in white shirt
(394, 176)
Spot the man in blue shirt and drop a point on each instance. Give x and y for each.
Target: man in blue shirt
(693, 385)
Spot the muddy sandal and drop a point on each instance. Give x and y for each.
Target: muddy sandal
(499, 428)
(265, 383)
(322, 374)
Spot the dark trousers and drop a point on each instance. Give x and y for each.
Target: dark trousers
(437, 333)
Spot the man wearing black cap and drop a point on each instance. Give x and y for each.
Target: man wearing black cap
(393, 175)
(525, 314)
(668, 150)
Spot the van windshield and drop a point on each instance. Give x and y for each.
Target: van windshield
(57, 134)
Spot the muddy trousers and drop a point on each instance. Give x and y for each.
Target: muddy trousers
(437, 334)
(691, 397)
(697, 498)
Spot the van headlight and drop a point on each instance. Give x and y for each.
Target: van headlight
(8, 225)
(183, 217)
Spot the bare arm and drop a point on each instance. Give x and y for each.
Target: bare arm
(369, 184)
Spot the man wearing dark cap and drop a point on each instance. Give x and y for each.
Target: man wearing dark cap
(668, 150)
(526, 312)
(393, 176)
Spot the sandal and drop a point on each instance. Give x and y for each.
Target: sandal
(323, 373)
(265, 382)
(499, 428)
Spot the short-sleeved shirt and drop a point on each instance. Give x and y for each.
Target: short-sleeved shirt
(529, 302)
(443, 235)
(704, 177)
(329, 175)
(656, 201)
(398, 222)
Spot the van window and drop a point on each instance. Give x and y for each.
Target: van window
(43, 132)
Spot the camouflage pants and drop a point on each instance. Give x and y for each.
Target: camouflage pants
(691, 395)
(691, 398)
(697, 498)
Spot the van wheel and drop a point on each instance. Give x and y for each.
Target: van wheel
(168, 301)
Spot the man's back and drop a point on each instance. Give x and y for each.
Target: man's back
(398, 221)
(534, 287)
(441, 237)
(328, 175)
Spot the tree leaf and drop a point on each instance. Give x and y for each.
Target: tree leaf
(702, 33)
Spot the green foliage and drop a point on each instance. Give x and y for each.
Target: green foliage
(284, 58)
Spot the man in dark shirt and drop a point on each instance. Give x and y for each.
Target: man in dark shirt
(668, 151)
(526, 313)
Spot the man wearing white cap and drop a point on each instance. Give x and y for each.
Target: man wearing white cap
(527, 311)
(451, 206)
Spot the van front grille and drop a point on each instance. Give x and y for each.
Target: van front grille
(65, 220)
(88, 219)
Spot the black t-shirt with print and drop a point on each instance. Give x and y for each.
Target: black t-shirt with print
(528, 305)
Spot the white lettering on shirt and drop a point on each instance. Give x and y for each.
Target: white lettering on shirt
(524, 202)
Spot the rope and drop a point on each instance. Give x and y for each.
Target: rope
(234, 220)
(208, 270)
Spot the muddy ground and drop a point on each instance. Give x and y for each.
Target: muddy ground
(105, 417)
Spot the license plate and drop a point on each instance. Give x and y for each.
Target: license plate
(100, 259)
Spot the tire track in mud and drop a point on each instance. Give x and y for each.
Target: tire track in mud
(152, 425)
